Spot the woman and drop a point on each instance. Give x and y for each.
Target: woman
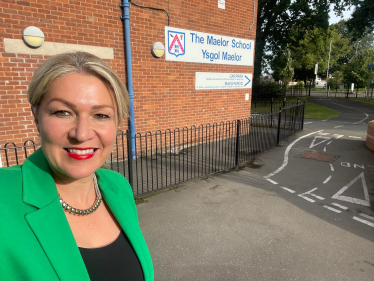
(61, 216)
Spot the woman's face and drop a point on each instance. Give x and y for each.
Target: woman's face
(77, 121)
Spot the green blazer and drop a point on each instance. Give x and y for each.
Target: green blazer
(36, 242)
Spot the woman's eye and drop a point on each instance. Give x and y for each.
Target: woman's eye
(102, 116)
(61, 113)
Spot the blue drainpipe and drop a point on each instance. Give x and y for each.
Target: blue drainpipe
(126, 26)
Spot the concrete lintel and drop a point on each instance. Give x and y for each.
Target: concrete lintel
(17, 46)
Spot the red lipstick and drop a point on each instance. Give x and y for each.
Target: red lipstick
(78, 154)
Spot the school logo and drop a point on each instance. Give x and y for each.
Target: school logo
(176, 43)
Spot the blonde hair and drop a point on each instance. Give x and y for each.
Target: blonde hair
(78, 62)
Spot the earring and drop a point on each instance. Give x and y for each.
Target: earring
(38, 134)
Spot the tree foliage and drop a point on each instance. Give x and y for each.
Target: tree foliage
(357, 71)
(282, 22)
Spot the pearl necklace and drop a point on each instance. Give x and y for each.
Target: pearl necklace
(79, 212)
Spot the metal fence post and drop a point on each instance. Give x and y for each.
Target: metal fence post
(310, 87)
(279, 125)
(237, 143)
(129, 156)
(302, 118)
(271, 111)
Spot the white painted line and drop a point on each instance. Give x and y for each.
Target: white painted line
(327, 180)
(332, 209)
(338, 126)
(306, 123)
(307, 198)
(338, 136)
(318, 197)
(324, 149)
(329, 142)
(363, 202)
(310, 193)
(323, 134)
(314, 143)
(354, 137)
(287, 189)
(332, 167)
(273, 182)
(324, 120)
(367, 115)
(367, 216)
(285, 160)
(364, 221)
(340, 206)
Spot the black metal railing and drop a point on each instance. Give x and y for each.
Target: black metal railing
(168, 158)
(310, 91)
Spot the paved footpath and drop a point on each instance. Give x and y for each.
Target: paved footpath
(302, 211)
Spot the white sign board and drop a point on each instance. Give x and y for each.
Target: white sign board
(221, 4)
(193, 46)
(217, 81)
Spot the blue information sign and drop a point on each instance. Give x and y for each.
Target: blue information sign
(370, 66)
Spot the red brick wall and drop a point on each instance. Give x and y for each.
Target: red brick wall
(165, 95)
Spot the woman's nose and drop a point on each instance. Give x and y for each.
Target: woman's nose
(82, 130)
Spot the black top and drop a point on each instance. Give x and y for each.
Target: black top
(116, 261)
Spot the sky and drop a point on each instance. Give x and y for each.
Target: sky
(335, 19)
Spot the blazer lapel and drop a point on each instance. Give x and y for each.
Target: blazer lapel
(48, 221)
(121, 212)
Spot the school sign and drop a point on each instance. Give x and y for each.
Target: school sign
(199, 47)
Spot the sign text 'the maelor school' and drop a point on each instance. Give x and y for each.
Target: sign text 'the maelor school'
(192, 46)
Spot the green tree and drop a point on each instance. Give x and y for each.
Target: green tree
(283, 69)
(356, 71)
(314, 48)
(336, 80)
(362, 20)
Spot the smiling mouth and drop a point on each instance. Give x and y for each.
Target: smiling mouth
(80, 151)
(80, 154)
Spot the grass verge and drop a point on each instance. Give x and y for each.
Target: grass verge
(315, 111)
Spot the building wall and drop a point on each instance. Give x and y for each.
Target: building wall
(165, 95)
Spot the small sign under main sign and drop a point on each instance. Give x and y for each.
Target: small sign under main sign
(370, 66)
(217, 81)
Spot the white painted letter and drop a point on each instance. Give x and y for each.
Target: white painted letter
(346, 164)
(362, 167)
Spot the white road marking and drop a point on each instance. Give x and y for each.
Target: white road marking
(324, 139)
(364, 221)
(323, 134)
(365, 202)
(340, 206)
(327, 180)
(306, 123)
(329, 142)
(338, 126)
(287, 189)
(273, 182)
(354, 137)
(302, 195)
(317, 196)
(367, 216)
(332, 167)
(338, 136)
(332, 209)
(324, 120)
(307, 198)
(367, 115)
(285, 160)
(324, 149)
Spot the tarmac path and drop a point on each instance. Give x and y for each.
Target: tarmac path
(328, 165)
(285, 216)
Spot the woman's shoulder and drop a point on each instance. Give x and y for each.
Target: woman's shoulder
(114, 181)
(11, 173)
(11, 182)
